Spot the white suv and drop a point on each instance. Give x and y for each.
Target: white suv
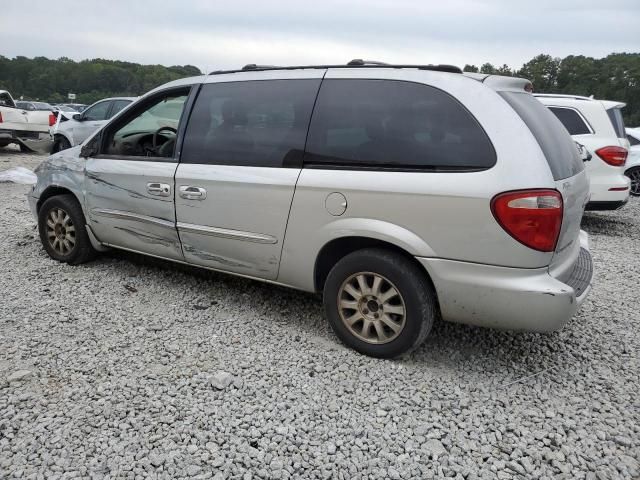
(633, 161)
(598, 125)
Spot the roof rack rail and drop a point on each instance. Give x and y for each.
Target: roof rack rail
(356, 63)
(562, 95)
(253, 66)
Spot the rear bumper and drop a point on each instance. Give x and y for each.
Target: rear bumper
(509, 298)
(601, 193)
(40, 142)
(611, 205)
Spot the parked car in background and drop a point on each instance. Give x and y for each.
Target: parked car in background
(78, 107)
(402, 193)
(34, 106)
(29, 129)
(633, 160)
(598, 125)
(64, 108)
(70, 131)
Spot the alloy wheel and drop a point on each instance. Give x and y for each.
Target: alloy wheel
(634, 175)
(61, 233)
(371, 307)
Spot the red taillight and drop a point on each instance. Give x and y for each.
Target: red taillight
(1, 117)
(52, 119)
(532, 217)
(614, 156)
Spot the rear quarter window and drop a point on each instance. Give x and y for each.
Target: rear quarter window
(394, 124)
(557, 146)
(615, 115)
(571, 120)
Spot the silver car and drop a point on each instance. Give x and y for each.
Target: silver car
(404, 193)
(73, 128)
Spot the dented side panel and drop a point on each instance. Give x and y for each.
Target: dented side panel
(239, 227)
(123, 213)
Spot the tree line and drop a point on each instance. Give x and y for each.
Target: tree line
(51, 81)
(614, 77)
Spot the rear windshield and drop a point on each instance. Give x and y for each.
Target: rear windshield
(556, 144)
(615, 115)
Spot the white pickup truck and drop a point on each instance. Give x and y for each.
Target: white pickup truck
(27, 129)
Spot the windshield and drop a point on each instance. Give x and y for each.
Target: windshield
(42, 106)
(554, 140)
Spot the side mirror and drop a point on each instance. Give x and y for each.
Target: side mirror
(90, 149)
(78, 117)
(585, 155)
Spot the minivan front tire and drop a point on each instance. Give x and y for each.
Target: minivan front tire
(62, 229)
(379, 302)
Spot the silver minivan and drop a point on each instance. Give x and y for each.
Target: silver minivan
(403, 193)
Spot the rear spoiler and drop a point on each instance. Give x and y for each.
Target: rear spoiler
(502, 83)
(609, 104)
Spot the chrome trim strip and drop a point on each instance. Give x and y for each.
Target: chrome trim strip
(227, 233)
(105, 212)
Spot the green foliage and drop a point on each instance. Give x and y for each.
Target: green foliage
(51, 80)
(615, 77)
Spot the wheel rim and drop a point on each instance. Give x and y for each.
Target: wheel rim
(634, 175)
(61, 233)
(371, 307)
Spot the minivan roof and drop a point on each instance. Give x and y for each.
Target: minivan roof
(358, 63)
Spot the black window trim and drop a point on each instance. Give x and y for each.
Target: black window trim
(313, 161)
(286, 164)
(582, 117)
(191, 90)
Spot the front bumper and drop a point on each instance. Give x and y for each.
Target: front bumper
(509, 298)
(40, 142)
(33, 205)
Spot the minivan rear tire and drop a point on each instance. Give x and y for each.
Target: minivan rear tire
(364, 310)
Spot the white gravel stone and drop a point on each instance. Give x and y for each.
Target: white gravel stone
(115, 393)
(19, 375)
(221, 380)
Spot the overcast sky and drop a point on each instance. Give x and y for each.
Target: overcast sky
(215, 34)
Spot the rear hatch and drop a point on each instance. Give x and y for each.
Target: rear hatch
(568, 173)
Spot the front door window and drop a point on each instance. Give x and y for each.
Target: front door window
(151, 131)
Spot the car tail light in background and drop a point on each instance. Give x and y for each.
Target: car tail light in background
(614, 156)
(1, 117)
(532, 217)
(52, 119)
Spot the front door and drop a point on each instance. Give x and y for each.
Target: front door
(91, 120)
(129, 184)
(240, 161)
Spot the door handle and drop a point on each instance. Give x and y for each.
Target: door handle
(159, 189)
(192, 193)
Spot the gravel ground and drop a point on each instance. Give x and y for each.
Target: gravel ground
(130, 368)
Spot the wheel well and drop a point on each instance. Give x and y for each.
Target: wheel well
(336, 249)
(52, 192)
